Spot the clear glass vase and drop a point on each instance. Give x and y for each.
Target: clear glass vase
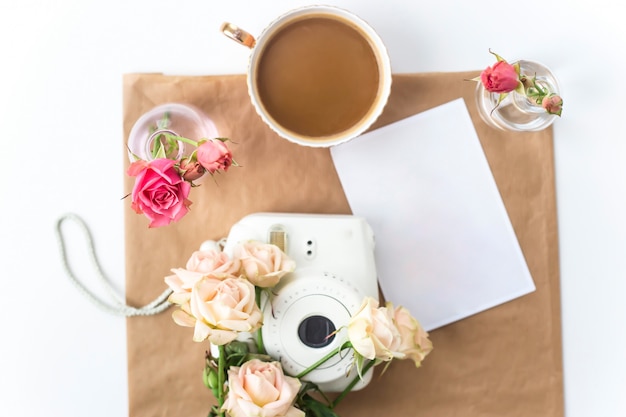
(517, 112)
(174, 119)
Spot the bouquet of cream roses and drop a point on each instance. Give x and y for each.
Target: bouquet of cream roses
(219, 296)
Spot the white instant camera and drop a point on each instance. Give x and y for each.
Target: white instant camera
(335, 271)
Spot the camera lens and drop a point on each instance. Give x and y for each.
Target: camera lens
(315, 331)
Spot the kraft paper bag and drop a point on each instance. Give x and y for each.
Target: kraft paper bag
(503, 361)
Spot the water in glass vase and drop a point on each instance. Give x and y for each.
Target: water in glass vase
(517, 112)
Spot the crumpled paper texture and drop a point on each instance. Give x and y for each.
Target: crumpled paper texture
(506, 361)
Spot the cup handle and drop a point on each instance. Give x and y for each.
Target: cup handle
(238, 35)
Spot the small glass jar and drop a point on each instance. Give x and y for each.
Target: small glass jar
(517, 112)
(173, 119)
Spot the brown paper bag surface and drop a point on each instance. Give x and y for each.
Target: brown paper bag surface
(506, 361)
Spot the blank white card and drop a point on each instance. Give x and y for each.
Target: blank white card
(445, 247)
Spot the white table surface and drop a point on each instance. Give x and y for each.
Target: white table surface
(61, 66)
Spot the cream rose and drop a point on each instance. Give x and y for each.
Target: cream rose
(263, 264)
(373, 333)
(261, 389)
(208, 263)
(415, 342)
(220, 309)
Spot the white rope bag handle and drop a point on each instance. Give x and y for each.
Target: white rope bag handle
(117, 305)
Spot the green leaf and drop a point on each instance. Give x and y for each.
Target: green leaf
(164, 122)
(160, 151)
(498, 57)
(315, 408)
(516, 67)
(359, 359)
(135, 157)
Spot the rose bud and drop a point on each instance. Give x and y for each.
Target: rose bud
(191, 171)
(553, 104)
(501, 78)
(214, 155)
(209, 378)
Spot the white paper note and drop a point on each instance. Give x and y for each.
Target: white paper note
(445, 247)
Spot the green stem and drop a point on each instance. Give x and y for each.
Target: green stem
(221, 378)
(171, 139)
(352, 384)
(259, 339)
(329, 355)
(181, 139)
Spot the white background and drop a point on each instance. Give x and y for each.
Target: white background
(61, 66)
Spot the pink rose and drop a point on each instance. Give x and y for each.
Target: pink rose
(261, 389)
(159, 192)
(415, 343)
(263, 264)
(213, 155)
(220, 309)
(553, 104)
(208, 263)
(373, 333)
(501, 78)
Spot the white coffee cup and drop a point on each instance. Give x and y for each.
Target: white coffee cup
(317, 75)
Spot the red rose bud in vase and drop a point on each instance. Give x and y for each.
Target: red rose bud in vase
(519, 96)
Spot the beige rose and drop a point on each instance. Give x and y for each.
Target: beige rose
(208, 263)
(373, 333)
(212, 263)
(415, 343)
(220, 309)
(261, 389)
(263, 264)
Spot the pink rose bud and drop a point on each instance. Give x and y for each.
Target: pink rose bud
(214, 155)
(553, 104)
(501, 78)
(191, 171)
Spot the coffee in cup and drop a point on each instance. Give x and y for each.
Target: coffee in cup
(318, 76)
